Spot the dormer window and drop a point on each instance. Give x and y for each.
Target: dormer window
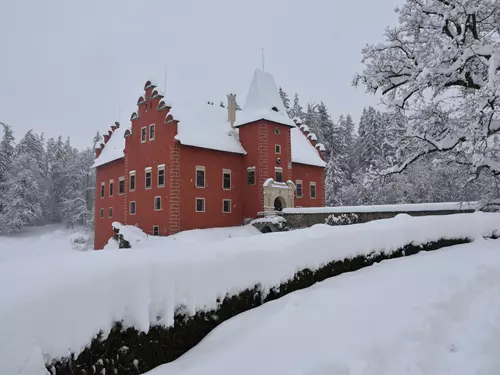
(275, 109)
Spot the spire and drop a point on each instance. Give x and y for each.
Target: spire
(263, 102)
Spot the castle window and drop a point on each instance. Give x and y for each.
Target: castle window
(143, 134)
(251, 176)
(200, 177)
(111, 186)
(200, 204)
(121, 185)
(132, 208)
(312, 190)
(156, 230)
(111, 212)
(148, 179)
(102, 213)
(277, 149)
(226, 179)
(161, 175)
(103, 189)
(151, 132)
(157, 203)
(132, 181)
(278, 174)
(226, 206)
(299, 190)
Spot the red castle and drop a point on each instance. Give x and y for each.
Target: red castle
(173, 170)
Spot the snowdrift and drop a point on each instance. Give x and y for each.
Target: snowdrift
(54, 306)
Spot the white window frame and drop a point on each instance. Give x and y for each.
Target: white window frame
(130, 208)
(103, 189)
(227, 171)
(297, 183)
(130, 174)
(196, 204)
(120, 179)
(278, 169)
(110, 212)
(146, 171)
(144, 134)
(230, 206)
(102, 213)
(152, 126)
(161, 168)
(277, 149)
(252, 169)
(154, 203)
(157, 227)
(311, 184)
(204, 169)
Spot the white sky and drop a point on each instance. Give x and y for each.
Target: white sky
(70, 67)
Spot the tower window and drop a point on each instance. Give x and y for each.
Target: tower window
(132, 181)
(103, 189)
(251, 176)
(156, 230)
(226, 205)
(111, 212)
(200, 177)
(148, 179)
(111, 188)
(200, 204)
(132, 208)
(143, 134)
(226, 179)
(161, 175)
(151, 132)
(277, 149)
(102, 213)
(121, 185)
(278, 174)
(157, 203)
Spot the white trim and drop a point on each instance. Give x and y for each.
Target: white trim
(227, 171)
(152, 126)
(154, 203)
(312, 183)
(145, 128)
(230, 206)
(148, 169)
(196, 204)
(297, 183)
(161, 166)
(204, 169)
(131, 172)
(130, 207)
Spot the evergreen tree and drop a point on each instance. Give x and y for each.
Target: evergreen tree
(322, 125)
(296, 110)
(6, 156)
(285, 99)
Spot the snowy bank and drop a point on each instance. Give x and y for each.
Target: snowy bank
(52, 307)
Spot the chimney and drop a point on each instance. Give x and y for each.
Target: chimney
(231, 109)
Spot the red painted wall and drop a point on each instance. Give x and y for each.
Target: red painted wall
(214, 162)
(309, 173)
(103, 228)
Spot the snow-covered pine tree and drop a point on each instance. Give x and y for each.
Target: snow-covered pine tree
(7, 149)
(370, 138)
(285, 99)
(441, 65)
(296, 110)
(322, 125)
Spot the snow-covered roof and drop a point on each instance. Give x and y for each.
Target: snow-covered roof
(113, 150)
(206, 126)
(263, 102)
(303, 152)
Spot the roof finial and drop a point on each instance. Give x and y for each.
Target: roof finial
(263, 60)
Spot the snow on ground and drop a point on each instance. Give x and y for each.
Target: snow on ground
(432, 313)
(54, 305)
(452, 206)
(42, 241)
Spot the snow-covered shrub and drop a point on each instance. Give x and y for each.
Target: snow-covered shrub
(342, 219)
(82, 241)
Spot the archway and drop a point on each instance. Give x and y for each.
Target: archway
(279, 204)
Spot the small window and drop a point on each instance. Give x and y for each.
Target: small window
(132, 182)
(226, 205)
(110, 212)
(148, 178)
(226, 179)
(278, 174)
(299, 190)
(312, 191)
(200, 177)
(200, 204)
(277, 149)
(156, 230)
(102, 213)
(103, 189)
(161, 176)
(121, 186)
(111, 186)
(132, 208)
(143, 134)
(251, 176)
(157, 203)
(151, 132)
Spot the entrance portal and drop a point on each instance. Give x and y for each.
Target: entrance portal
(279, 204)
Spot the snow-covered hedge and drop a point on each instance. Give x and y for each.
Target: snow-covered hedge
(53, 307)
(342, 219)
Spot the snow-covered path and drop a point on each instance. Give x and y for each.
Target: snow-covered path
(433, 313)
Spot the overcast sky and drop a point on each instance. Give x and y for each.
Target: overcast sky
(72, 67)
